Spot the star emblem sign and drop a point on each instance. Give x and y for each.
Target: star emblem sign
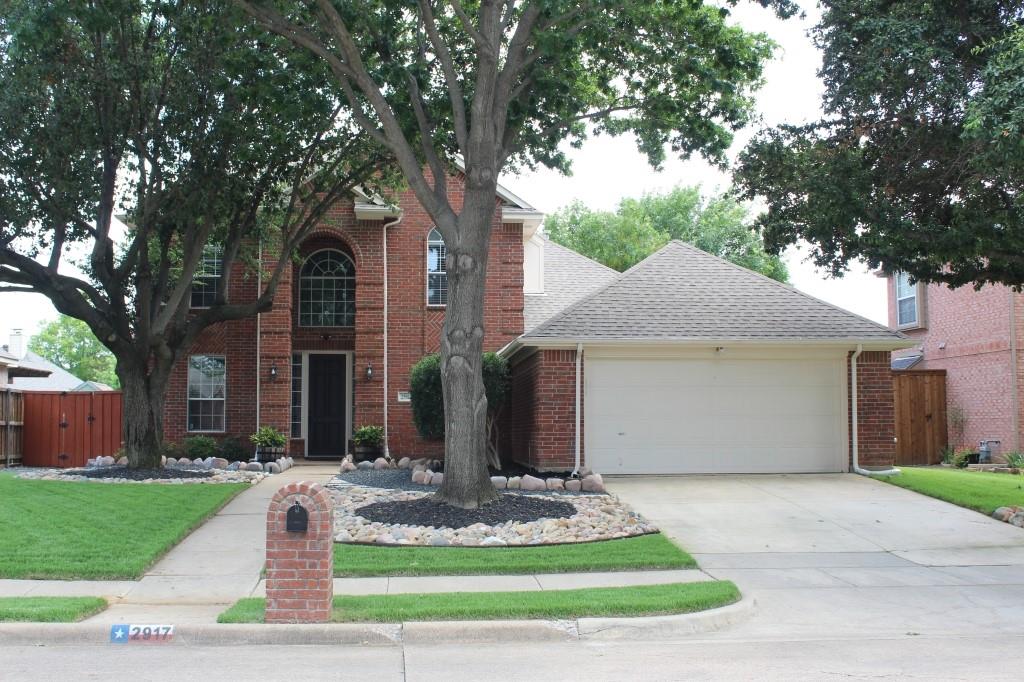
(119, 633)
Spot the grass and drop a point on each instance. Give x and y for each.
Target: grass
(637, 553)
(94, 531)
(49, 609)
(977, 490)
(640, 600)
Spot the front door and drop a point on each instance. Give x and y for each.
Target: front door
(326, 415)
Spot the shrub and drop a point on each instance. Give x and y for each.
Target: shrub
(371, 436)
(233, 449)
(268, 437)
(428, 398)
(1015, 460)
(200, 447)
(961, 458)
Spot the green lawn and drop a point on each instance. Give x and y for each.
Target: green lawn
(83, 530)
(977, 490)
(641, 600)
(49, 609)
(628, 554)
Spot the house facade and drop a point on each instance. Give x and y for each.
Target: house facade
(683, 364)
(975, 335)
(364, 301)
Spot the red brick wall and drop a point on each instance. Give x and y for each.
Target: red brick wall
(876, 426)
(540, 421)
(414, 328)
(968, 334)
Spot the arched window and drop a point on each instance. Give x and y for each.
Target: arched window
(437, 269)
(327, 290)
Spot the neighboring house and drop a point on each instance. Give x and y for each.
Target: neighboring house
(976, 336)
(11, 369)
(688, 363)
(36, 373)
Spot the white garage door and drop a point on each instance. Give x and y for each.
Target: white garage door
(715, 415)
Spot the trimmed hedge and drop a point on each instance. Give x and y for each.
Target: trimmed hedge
(428, 398)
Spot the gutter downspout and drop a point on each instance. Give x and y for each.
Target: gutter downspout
(259, 316)
(856, 444)
(1014, 370)
(387, 452)
(579, 362)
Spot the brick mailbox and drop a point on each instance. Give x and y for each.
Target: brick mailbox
(300, 554)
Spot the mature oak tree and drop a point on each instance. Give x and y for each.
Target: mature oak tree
(501, 83)
(638, 227)
(192, 128)
(917, 164)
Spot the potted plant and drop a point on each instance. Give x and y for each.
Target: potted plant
(368, 440)
(269, 443)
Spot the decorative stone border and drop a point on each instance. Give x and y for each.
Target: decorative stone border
(598, 517)
(1011, 515)
(423, 474)
(224, 476)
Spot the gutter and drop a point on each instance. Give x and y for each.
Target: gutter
(398, 219)
(853, 409)
(579, 361)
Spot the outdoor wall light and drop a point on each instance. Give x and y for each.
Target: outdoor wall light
(273, 372)
(369, 372)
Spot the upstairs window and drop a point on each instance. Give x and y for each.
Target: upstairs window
(906, 301)
(437, 269)
(327, 290)
(207, 277)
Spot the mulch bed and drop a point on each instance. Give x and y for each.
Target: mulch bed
(137, 474)
(427, 512)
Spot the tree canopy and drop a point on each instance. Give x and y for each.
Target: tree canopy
(916, 164)
(638, 227)
(69, 343)
(194, 128)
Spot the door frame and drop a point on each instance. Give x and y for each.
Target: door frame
(349, 362)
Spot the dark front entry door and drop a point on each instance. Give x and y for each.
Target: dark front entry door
(326, 412)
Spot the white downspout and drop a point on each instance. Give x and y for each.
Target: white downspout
(856, 444)
(579, 360)
(387, 452)
(259, 291)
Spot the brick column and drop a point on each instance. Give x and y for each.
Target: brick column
(300, 565)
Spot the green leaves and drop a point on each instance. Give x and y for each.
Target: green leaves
(639, 227)
(428, 397)
(70, 343)
(917, 164)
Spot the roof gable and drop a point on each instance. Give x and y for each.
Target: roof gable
(568, 277)
(681, 293)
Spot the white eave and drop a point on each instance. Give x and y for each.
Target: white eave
(372, 211)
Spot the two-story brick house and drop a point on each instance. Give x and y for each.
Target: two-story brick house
(975, 335)
(683, 364)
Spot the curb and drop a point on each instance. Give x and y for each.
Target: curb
(384, 634)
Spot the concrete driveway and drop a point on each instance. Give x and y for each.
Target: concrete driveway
(841, 555)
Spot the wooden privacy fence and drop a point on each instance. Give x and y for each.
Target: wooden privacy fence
(67, 429)
(919, 396)
(11, 426)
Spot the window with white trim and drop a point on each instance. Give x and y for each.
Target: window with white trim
(207, 277)
(437, 269)
(297, 395)
(906, 300)
(206, 390)
(327, 290)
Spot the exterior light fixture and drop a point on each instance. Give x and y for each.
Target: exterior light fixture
(369, 372)
(273, 372)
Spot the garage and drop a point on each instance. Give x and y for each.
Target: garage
(713, 413)
(689, 364)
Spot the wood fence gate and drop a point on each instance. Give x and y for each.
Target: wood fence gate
(66, 429)
(11, 426)
(919, 396)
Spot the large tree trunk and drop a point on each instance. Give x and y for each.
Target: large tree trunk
(143, 398)
(467, 482)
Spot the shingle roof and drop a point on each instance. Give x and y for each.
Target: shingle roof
(568, 277)
(682, 293)
(59, 379)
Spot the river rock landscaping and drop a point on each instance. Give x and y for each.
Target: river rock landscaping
(174, 471)
(389, 516)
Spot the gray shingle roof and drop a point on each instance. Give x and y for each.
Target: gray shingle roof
(59, 379)
(683, 293)
(568, 277)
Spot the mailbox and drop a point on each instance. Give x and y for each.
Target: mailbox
(298, 519)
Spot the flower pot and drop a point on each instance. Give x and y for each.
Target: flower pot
(367, 452)
(269, 454)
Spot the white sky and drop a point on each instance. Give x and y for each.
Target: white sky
(607, 170)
